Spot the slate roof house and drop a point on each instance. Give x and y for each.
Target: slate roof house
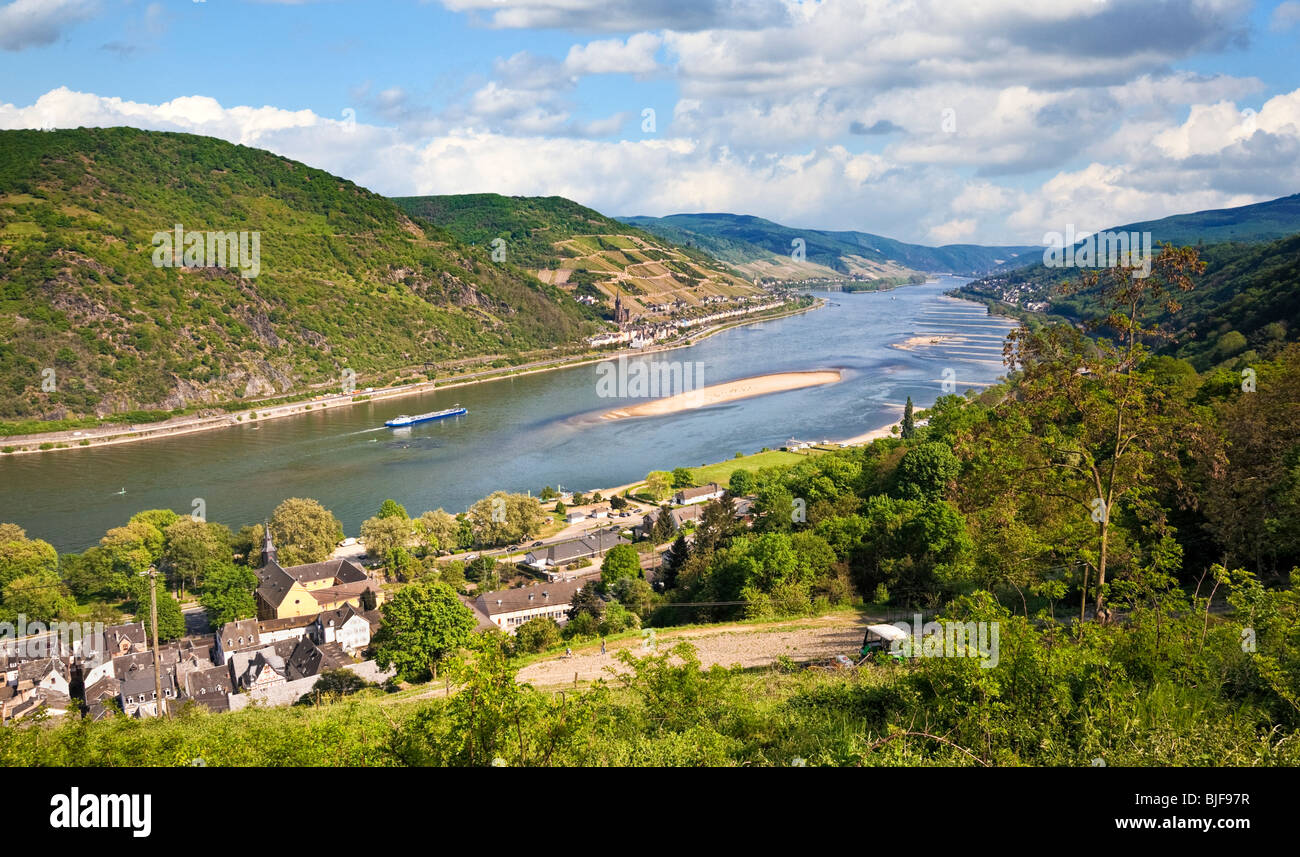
(139, 695)
(309, 659)
(240, 636)
(305, 590)
(680, 516)
(210, 688)
(124, 639)
(551, 558)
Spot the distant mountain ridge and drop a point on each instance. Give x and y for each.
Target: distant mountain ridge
(1262, 221)
(742, 239)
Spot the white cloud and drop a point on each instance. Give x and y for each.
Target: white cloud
(1201, 162)
(32, 23)
(1285, 16)
(612, 56)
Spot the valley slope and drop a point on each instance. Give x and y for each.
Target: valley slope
(346, 279)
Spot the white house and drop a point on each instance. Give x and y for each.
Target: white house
(702, 494)
(510, 608)
(346, 626)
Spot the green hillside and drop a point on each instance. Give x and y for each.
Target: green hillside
(1264, 221)
(346, 279)
(1247, 303)
(584, 252)
(738, 238)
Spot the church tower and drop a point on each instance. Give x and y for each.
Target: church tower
(268, 547)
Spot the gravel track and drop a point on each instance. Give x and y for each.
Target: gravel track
(802, 640)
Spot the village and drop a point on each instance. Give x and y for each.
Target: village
(311, 620)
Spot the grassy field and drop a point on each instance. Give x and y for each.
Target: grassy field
(722, 471)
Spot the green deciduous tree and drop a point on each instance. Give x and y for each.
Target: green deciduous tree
(190, 546)
(423, 625)
(304, 532)
(621, 561)
(21, 556)
(228, 592)
(383, 535)
(392, 509)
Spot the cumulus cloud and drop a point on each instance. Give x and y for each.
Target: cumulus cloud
(624, 15)
(33, 23)
(612, 56)
(514, 141)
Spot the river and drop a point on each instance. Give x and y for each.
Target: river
(521, 433)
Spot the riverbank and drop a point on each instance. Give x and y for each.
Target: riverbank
(731, 391)
(116, 434)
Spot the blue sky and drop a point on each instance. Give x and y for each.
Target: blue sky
(988, 121)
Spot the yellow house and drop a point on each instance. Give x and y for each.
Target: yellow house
(306, 590)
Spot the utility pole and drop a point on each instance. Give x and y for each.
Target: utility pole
(153, 621)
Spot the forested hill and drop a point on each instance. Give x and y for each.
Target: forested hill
(1245, 305)
(739, 238)
(345, 279)
(1263, 221)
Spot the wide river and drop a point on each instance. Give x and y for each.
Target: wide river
(522, 433)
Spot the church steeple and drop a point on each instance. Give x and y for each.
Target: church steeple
(268, 546)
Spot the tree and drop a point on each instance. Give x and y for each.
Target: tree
(741, 483)
(502, 518)
(909, 421)
(333, 685)
(587, 601)
(537, 635)
(392, 509)
(548, 493)
(682, 478)
(485, 572)
(247, 545)
(21, 556)
(774, 507)
(171, 621)
(40, 597)
(437, 530)
(190, 546)
(304, 532)
(1100, 430)
(228, 592)
(453, 574)
(673, 562)
(659, 484)
(423, 624)
(621, 561)
(664, 525)
(925, 471)
(160, 520)
(635, 594)
(133, 548)
(383, 535)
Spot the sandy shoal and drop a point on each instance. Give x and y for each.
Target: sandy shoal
(731, 391)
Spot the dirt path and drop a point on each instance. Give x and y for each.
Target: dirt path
(747, 645)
